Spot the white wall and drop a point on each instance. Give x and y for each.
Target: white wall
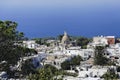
(85, 53)
(30, 44)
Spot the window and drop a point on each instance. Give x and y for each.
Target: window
(85, 54)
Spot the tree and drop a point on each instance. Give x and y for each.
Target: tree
(49, 72)
(60, 37)
(20, 36)
(45, 73)
(110, 75)
(42, 41)
(38, 41)
(53, 69)
(99, 58)
(118, 68)
(7, 36)
(82, 41)
(33, 77)
(66, 65)
(75, 60)
(9, 51)
(28, 68)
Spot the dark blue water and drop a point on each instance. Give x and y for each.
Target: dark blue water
(43, 18)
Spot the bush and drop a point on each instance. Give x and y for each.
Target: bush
(66, 65)
(118, 69)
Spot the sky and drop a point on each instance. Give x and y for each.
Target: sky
(45, 18)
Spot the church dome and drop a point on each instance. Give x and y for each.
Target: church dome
(65, 38)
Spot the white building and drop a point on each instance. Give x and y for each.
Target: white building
(78, 78)
(3, 75)
(101, 41)
(84, 53)
(30, 44)
(114, 50)
(56, 59)
(98, 41)
(92, 72)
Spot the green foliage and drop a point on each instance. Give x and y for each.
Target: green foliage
(59, 37)
(32, 51)
(20, 35)
(110, 75)
(118, 68)
(28, 67)
(8, 35)
(9, 50)
(99, 58)
(42, 41)
(52, 68)
(51, 52)
(82, 41)
(46, 73)
(110, 63)
(69, 74)
(7, 30)
(38, 41)
(33, 77)
(66, 65)
(75, 60)
(47, 44)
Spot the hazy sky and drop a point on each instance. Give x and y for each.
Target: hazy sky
(42, 18)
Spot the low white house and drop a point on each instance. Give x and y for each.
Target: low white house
(56, 59)
(100, 40)
(30, 44)
(3, 75)
(84, 53)
(91, 72)
(78, 78)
